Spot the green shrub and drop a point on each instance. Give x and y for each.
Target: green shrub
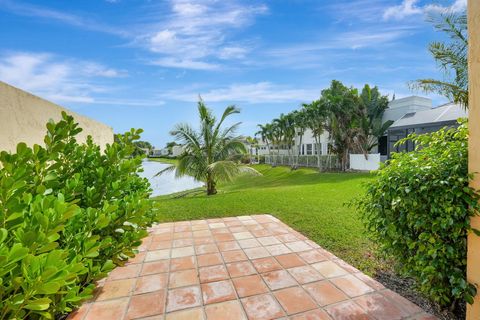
(418, 209)
(69, 213)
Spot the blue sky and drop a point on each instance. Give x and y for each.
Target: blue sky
(143, 63)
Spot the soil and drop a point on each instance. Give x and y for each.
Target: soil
(406, 287)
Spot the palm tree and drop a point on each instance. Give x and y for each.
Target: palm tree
(316, 120)
(342, 104)
(452, 59)
(371, 109)
(265, 134)
(209, 153)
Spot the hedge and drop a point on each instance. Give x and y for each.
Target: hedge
(69, 213)
(418, 209)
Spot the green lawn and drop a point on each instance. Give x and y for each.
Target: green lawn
(163, 160)
(311, 203)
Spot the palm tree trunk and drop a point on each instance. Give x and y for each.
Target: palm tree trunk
(319, 161)
(211, 186)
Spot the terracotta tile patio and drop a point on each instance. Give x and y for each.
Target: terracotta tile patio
(247, 267)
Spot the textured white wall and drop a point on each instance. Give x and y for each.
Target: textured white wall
(23, 118)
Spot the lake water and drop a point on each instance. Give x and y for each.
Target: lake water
(166, 183)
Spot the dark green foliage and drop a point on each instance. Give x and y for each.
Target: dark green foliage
(68, 214)
(419, 207)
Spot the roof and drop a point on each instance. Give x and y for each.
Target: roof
(444, 113)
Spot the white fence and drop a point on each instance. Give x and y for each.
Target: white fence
(327, 162)
(358, 162)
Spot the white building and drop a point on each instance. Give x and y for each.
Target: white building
(177, 150)
(409, 114)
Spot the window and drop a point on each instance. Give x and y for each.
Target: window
(309, 149)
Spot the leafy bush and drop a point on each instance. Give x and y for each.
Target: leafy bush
(419, 207)
(69, 213)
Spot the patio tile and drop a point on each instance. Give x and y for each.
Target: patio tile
(183, 278)
(278, 249)
(183, 252)
(278, 279)
(218, 291)
(298, 246)
(209, 259)
(266, 264)
(255, 253)
(312, 315)
(352, 286)
(235, 255)
(312, 256)
(155, 267)
(113, 309)
(290, 260)
(262, 307)
(202, 233)
(379, 307)
(228, 246)
(151, 283)
(182, 263)
(401, 302)
(203, 240)
(329, 269)
(190, 314)
(128, 271)
(145, 305)
(183, 298)
(249, 286)
(116, 289)
(294, 300)
(268, 241)
(325, 293)
(206, 248)
(249, 243)
(157, 255)
(243, 235)
(238, 269)
(226, 310)
(249, 267)
(347, 310)
(217, 225)
(223, 237)
(213, 273)
(305, 274)
(182, 243)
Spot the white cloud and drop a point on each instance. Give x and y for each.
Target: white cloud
(53, 78)
(196, 32)
(29, 10)
(410, 8)
(260, 92)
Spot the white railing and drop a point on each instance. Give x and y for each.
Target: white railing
(327, 162)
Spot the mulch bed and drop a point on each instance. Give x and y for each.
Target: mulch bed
(406, 288)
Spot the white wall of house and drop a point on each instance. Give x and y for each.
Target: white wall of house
(177, 150)
(358, 162)
(399, 107)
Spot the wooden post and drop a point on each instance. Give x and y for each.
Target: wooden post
(473, 258)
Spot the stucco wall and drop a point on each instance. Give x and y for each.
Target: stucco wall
(23, 118)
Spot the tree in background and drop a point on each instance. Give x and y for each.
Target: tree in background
(209, 153)
(371, 127)
(452, 59)
(142, 147)
(266, 134)
(316, 119)
(342, 104)
(169, 146)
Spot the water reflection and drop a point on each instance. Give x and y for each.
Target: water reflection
(166, 183)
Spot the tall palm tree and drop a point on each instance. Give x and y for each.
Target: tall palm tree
(209, 153)
(266, 134)
(452, 59)
(316, 120)
(372, 106)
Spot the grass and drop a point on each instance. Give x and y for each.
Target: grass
(311, 203)
(163, 160)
